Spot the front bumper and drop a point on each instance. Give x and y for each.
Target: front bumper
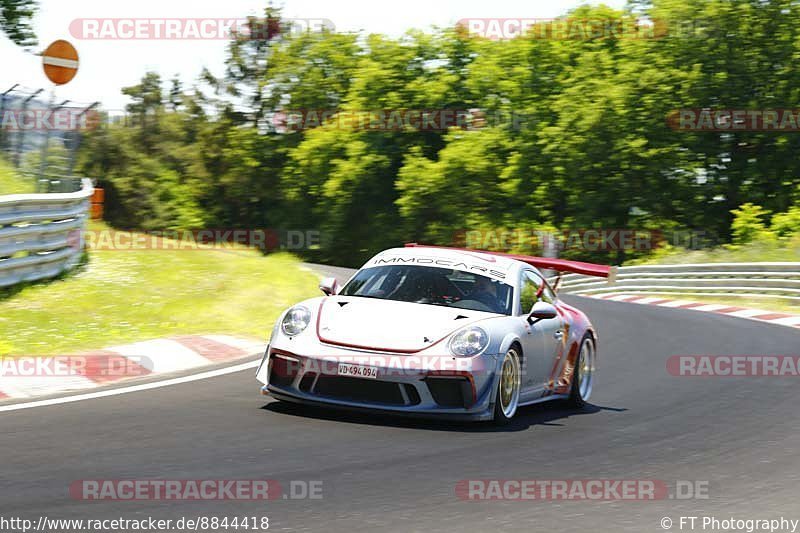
(415, 385)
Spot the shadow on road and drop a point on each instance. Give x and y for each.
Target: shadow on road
(545, 414)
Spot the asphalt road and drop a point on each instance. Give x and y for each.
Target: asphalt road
(739, 435)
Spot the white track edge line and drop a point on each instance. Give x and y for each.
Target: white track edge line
(133, 388)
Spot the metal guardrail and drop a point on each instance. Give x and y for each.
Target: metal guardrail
(774, 280)
(51, 183)
(41, 234)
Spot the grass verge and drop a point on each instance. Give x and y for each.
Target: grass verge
(12, 183)
(126, 296)
(768, 304)
(783, 250)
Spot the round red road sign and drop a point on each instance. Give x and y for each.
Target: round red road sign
(60, 62)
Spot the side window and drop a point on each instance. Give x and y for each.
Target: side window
(528, 292)
(547, 294)
(532, 284)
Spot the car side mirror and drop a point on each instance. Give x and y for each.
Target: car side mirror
(329, 286)
(542, 310)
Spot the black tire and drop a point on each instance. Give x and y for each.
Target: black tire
(503, 415)
(575, 397)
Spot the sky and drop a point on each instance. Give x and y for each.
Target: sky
(107, 65)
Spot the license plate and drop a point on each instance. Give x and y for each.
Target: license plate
(357, 371)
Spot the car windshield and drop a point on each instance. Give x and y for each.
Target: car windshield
(433, 286)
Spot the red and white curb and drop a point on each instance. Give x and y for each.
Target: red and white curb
(36, 376)
(782, 319)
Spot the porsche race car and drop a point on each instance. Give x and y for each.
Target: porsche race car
(436, 331)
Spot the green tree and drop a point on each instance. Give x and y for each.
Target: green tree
(566, 133)
(15, 21)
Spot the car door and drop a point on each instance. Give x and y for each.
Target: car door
(542, 340)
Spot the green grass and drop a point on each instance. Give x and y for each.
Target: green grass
(768, 304)
(13, 183)
(126, 296)
(756, 252)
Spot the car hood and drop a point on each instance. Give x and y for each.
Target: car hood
(389, 325)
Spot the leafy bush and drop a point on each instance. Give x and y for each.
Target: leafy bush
(749, 224)
(787, 225)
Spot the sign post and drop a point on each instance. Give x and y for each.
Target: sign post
(60, 63)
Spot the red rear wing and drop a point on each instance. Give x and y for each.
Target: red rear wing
(561, 265)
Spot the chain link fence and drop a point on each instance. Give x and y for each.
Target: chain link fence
(40, 137)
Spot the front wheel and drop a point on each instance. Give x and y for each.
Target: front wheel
(583, 376)
(507, 400)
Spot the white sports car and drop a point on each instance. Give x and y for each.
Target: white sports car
(437, 332)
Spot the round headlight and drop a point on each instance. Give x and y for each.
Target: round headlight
(295, 320)
(469, 341)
